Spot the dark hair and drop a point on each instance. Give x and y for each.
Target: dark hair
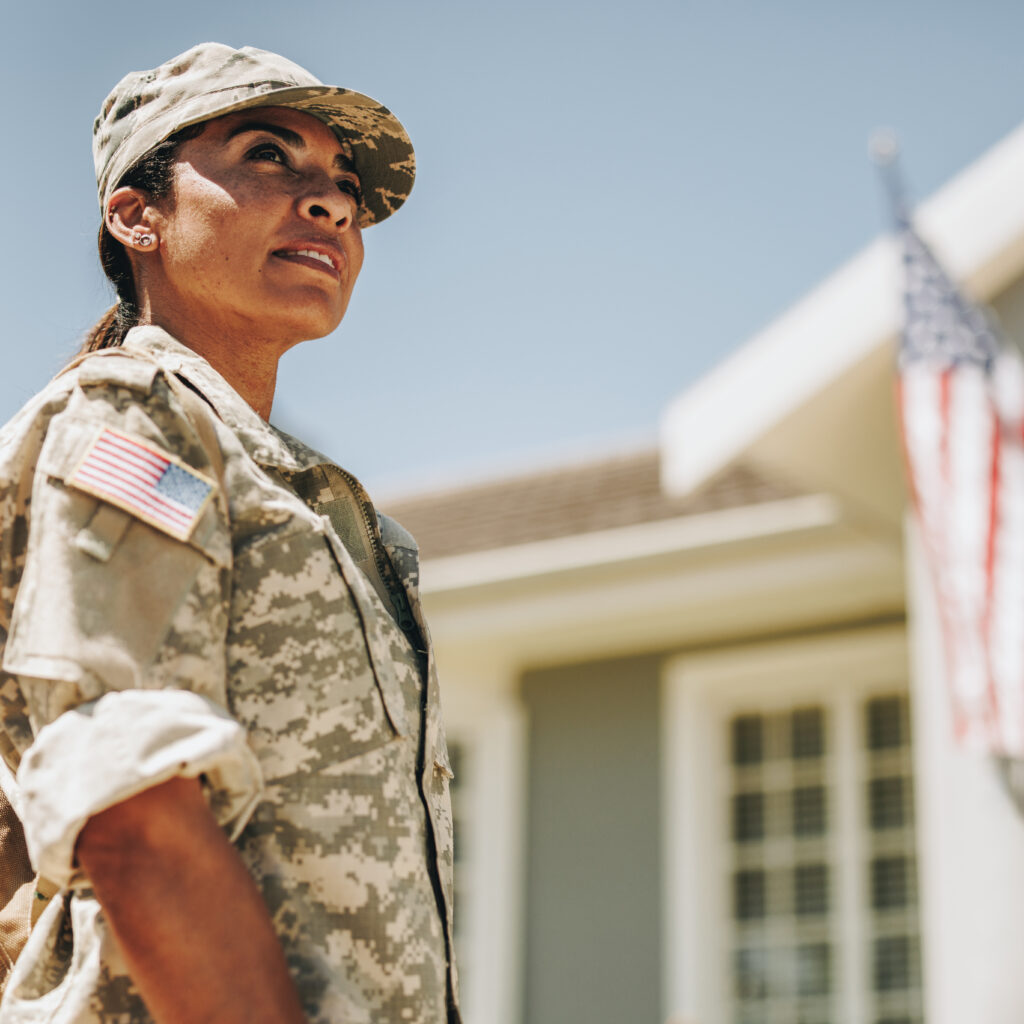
(154, 174)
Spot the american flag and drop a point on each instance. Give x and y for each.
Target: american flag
(961, 396)
(144, 481)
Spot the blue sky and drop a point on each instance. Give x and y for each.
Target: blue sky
(611, 197)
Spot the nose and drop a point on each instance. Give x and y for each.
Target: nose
(324, 201)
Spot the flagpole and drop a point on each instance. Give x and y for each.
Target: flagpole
(884, 152)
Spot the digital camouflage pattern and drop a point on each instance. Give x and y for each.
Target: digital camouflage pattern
(212, 79)
(299, 613)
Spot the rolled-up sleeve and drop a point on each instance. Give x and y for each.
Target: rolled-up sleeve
(117, 636)
(105, 751)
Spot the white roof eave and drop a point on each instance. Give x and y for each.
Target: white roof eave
(630, 545)
(975, 224)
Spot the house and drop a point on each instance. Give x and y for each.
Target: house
(705, 769)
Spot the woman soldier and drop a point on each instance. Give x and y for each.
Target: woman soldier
(218, 692)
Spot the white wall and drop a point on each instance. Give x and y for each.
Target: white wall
(971, 843)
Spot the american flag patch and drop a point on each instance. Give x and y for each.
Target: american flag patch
(158, 488)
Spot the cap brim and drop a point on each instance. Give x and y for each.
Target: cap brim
(381, 149)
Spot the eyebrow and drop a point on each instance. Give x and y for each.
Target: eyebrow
(286, 135)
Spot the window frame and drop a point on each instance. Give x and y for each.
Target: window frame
(700, 691)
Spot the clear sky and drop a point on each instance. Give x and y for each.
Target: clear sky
(611, 196)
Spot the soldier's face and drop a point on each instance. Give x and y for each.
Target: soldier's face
(259, 234)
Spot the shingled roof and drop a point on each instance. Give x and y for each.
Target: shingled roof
(624, 490)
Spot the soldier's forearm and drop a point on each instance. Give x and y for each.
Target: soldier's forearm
(192, 926)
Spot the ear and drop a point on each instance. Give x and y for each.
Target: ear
(129, 215)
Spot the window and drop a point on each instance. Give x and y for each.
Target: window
(891, 866)
(781, 939)
(792, 875)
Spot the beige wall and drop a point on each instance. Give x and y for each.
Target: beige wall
(593, 901)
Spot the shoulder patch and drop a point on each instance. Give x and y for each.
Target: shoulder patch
(145, 481)
(119, 370)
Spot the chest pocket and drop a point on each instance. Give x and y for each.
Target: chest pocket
(307, 677)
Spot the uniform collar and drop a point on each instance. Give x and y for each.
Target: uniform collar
(266, 444)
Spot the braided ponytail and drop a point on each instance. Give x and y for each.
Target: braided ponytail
(104, 333)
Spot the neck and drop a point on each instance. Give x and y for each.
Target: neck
(245, 360)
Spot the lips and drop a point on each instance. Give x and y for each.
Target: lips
(319, 258)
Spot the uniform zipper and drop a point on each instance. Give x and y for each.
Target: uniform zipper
(386, 571)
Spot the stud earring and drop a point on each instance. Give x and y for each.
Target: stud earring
(143, 239)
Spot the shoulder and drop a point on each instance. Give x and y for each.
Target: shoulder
(113, 382)
(104, 392)
(123, 391)
(114, 368)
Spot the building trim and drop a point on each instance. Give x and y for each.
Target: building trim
(630, 543)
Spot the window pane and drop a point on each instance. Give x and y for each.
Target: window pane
(751, 977)
(886, 723)
(890, 878)
(893, 966)
(809, 811)
(810, 889)
(807, 733)
(886, 797)
(748, 817)
(813, 974)
(749, 888)
(748, 739)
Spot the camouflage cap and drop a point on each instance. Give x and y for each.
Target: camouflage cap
(211, 79)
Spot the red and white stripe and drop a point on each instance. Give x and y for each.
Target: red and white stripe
(966, 465)
(126, 472)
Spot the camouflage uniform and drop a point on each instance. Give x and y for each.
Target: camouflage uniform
(279, 653)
